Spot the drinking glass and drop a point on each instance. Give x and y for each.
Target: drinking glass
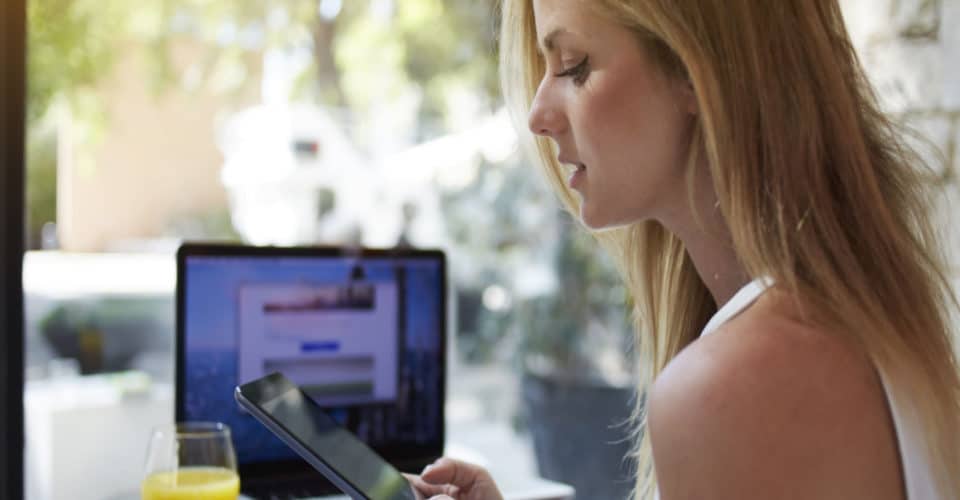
(191, 461)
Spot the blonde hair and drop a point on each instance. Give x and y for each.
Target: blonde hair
(816, 184)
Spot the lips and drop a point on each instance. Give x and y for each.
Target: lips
(578, 168)
(577, 173)
(568, 162)
(577, 177)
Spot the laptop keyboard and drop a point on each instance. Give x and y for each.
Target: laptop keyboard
(293, 495)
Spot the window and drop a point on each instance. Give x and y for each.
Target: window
(281, 122)
(340, 122)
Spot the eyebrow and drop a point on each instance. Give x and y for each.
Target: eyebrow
(548, 42)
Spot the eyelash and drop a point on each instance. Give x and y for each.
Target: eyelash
(578, 72)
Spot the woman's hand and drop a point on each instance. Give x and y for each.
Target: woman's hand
(448, 478)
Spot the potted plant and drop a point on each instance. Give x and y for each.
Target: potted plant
(562, 318)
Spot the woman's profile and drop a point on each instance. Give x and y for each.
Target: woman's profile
(792, 305)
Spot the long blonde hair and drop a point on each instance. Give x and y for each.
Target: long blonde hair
(816, 184)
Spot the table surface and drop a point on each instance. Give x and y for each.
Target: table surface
(93, 410)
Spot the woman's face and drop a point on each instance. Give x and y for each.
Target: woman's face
(620, 124)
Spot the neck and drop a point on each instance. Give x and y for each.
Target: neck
(709, 243)
(715, 260)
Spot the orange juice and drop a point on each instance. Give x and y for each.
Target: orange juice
(192, 483)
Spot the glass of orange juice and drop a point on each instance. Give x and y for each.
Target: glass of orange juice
(191, 461)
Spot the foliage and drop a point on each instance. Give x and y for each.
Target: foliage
(432, 46)
(502, 226)
(498, 232)
(358, 56)
(41, 188)
(367, 52)
(583, 329)
(358, 53)
(71, 44)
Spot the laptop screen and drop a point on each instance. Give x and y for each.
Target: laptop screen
(361, 332)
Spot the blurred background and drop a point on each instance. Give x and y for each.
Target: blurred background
(373, 122)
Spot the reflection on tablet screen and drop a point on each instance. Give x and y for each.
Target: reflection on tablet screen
(300, 417)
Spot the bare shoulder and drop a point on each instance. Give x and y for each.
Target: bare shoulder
(771, 407)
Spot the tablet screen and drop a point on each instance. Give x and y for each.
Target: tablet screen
(302, 419)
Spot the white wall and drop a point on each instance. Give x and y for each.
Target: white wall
(911, 51)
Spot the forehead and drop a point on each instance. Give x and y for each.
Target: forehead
(572, 20)
(574, 16)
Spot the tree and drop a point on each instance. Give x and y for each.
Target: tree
(432, 48)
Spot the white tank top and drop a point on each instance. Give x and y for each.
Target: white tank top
(917, 472)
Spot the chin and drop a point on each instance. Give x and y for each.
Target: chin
(595, 220)
(598, 220)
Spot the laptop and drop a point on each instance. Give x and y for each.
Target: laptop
(361, 331)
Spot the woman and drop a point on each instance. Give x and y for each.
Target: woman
(773, 230)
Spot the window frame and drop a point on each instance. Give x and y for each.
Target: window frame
(12, 145)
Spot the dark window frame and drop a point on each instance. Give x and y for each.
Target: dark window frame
(12, 140)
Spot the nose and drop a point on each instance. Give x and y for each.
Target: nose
(546, 117)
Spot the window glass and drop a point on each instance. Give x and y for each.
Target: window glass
(280, 122)
(341, 122)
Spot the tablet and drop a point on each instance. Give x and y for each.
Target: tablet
(340, 456)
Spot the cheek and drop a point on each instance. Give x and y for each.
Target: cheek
(630, 119)
(605, 111)
(635, 133)
(617, 128)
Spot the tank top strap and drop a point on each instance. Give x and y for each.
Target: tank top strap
(740, 301)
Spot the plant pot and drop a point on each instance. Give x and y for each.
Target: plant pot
(581, 433)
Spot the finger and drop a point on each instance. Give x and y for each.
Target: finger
(428, 489)
(455, 472)
(434, 489)
(441, 497)
(417, 492)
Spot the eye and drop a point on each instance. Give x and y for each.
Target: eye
(578, 72)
